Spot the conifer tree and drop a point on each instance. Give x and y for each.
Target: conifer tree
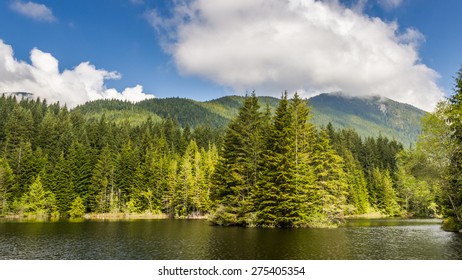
(25, 165)
(39, 202)
(77, 209)
(305, 138)
(385, 198)
(6, 184)
(125, 170)
(103, 190)
(357, 185)
(277, 201)
(238, 169)
(35, 198)
(172, 185)
(62, 184)
(331, 190)
(18, 128)
(79, 160)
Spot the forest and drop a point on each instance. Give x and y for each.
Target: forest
(262, 169)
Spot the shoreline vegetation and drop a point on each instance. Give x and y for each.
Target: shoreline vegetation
(265, 169)
(106, 216)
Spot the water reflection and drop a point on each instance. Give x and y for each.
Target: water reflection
(167, 239)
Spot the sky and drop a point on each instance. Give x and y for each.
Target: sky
(76, 51)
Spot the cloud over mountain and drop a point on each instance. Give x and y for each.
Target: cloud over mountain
(76, 86)
(297, 45)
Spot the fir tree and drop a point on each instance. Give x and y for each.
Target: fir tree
(238, 169)
(103, 189)
(277, 200)
(62, 184)
(77, 209)
(358, 195)
(6, 184)
(331, 190)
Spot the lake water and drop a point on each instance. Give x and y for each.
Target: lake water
(196, 239)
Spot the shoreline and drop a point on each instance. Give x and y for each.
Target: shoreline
(105, 217)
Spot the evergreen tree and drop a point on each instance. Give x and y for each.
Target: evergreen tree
(80, 164)
(62, 184)
(238, 169)
(77, 209)
(331, 190)
(18, 128)
(6, 184)
(125, 170)
(385, 199)
(103, 193)
(277, 200)
(357, 185)
(172, 185)
(39, 202)
(26, 164)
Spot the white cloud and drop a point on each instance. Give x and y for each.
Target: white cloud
(33, 10)
(73, 87)
(390, 4)
(297, 45)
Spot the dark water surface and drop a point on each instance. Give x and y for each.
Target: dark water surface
(173, 239)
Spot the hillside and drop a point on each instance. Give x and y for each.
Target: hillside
(371, 116)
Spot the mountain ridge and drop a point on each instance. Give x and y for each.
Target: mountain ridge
(370, 116)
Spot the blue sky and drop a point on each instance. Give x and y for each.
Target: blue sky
(407, 50)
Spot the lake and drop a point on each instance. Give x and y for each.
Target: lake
(197, 239)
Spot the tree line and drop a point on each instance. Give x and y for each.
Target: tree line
(55, 162)
(434, 166)
(269, 170)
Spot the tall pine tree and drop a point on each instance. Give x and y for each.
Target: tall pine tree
(238, 169)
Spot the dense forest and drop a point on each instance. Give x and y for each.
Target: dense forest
(265, 168)
(369, 116)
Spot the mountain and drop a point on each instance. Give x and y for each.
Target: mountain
(370, 116)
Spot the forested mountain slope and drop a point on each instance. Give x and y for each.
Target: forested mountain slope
(371, 116)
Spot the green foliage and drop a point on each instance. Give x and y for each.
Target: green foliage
(358, 196)
(330, 179)
(103, 190)
(77, 209)
(239, 167)
(270, 167)
(418, 184)
(185, 111)
(383, 195)
(277, 200)
(370, 117)
(453, 190)
(38, 202)
(6, 184)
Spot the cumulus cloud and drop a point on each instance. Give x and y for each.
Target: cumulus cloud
(73, 87)
(33, 10)
(297, 45)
